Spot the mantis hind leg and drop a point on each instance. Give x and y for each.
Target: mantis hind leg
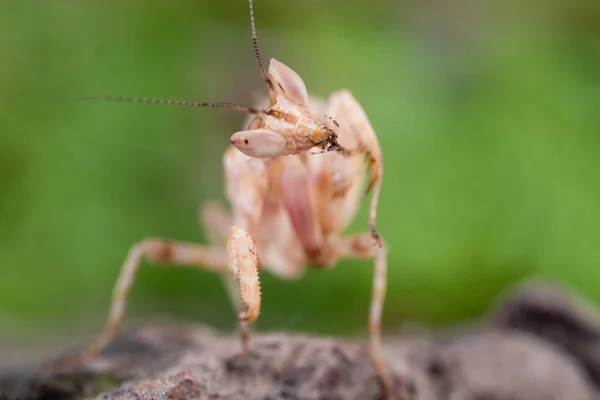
(361, 246)
(158, 251)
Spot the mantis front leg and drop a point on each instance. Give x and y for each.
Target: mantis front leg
(239, 259)
(243, 261)
(216, 220)
(357, 133)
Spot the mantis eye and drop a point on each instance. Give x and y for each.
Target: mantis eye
(259, 143)
(290, 81)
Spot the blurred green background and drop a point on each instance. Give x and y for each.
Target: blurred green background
(488, 114)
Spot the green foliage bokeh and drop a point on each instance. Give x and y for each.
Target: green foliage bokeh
(488, 115)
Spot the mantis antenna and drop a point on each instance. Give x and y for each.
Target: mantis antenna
(263, 72)
(233, 106)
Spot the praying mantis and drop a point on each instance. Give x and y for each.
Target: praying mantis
(294, 179)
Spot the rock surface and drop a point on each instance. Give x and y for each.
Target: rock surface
(537, 343)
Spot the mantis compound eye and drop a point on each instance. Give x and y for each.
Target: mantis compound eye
(289, 81)
(259, 143)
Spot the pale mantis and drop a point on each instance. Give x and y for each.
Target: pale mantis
(289, 208)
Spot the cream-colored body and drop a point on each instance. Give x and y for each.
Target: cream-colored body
(291, 125)
(294, 180)
(286, 213)
(297, 207)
